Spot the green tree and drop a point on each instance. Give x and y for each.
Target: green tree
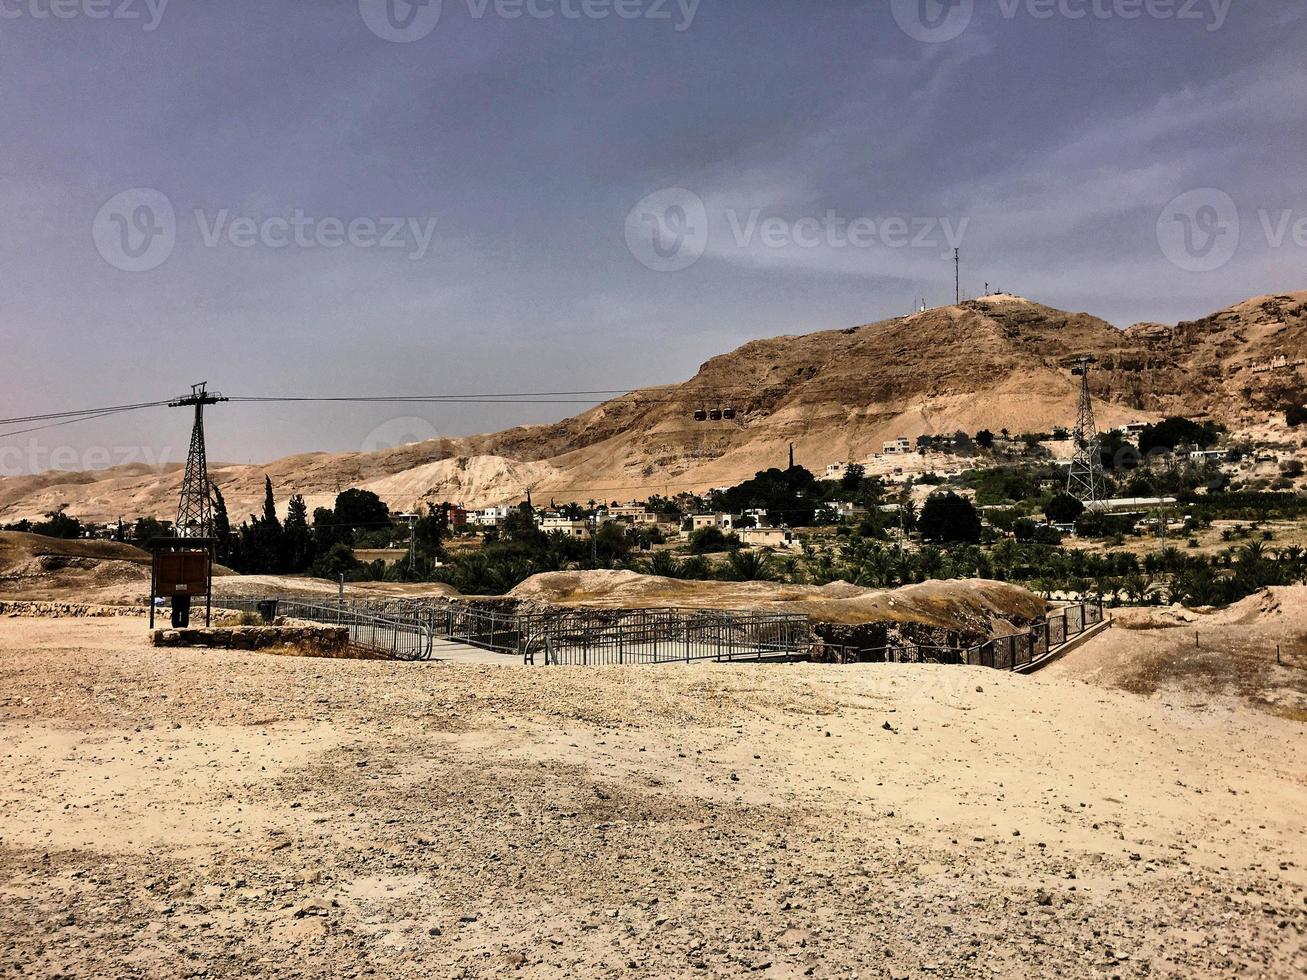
(851, 481)
(430, 531)
(611, 542)
(339, 559)
(949, 518)
(361, 509)
(1177, 431)
(708, 540)
(752, 566)
(147, 528)
(224, 540)
(59, 525)
(1064, 509)
(297, 540)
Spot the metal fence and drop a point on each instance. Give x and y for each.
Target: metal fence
(1010, 652)
(407, 630)
(597, 637)
(395, 638)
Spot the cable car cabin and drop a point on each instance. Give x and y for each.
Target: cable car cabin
(728, 413)
(715, 415)
(701, 415)
(1077, 372)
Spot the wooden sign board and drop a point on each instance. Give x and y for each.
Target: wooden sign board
(178, 573)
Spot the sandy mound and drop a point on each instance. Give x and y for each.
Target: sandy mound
(1224, 657)
(36, 567)
(966, 606)
(275, 586)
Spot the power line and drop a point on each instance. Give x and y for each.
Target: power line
(104, 410)
(55, 425)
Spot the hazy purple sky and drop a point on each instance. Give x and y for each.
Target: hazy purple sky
(1051, 145)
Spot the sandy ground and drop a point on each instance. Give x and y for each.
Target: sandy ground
(191, 813)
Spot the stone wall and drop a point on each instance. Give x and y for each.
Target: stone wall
(56, 610)
(319, 640)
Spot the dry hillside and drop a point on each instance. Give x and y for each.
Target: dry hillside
(998, 362)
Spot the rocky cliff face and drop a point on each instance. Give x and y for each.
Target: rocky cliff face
(998, 362)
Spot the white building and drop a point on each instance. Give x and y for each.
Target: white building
(836, 471)
(490, 517)
(723, 521)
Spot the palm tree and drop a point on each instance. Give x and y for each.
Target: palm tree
(665, 564)
(752, 566)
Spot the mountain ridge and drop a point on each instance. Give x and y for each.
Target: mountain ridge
(996, 362)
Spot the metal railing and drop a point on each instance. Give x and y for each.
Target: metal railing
(391, 637)
(1010, 652)
(601, 637)
(407, 629)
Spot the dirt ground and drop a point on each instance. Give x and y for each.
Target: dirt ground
(203, 813)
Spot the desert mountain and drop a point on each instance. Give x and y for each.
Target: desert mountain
(997, 362)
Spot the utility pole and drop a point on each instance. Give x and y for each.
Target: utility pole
(1085, 475)
(957, 276)
(195, 507)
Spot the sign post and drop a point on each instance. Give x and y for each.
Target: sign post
(182, 569)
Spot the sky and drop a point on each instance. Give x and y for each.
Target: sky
(361, 197)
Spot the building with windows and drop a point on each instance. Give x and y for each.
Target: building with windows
(490, 517)
(767, 537)
(571, 527)
(723, 521)
(901, 446)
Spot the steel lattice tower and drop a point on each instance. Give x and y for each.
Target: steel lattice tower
(1085, 477)
(195, 508)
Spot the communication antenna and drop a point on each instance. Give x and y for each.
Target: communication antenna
(195, 508)
(957, 276)
(1085, 476)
